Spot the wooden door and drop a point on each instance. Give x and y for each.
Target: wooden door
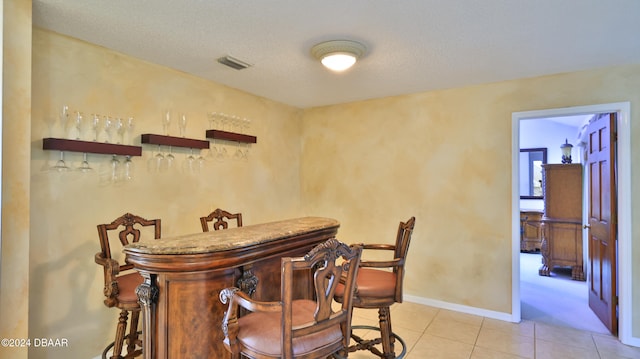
(602, 278)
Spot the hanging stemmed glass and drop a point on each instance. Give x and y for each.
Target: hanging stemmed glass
(84, 166)
(222, 153)
(246, 124)
(238, 154)
(128, 169)
(213, 151)
(115, 169)
(170, 160)
(189, 162)
(61, 165)
(201, 161)
(156, 162)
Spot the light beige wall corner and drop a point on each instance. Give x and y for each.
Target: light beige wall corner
(445, 157)
(16, 112)
(66, 286)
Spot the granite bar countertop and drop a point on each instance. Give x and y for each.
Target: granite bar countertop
(231, 238)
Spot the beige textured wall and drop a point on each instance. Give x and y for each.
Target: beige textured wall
(445, 157)
(66, 284)
(16, 111)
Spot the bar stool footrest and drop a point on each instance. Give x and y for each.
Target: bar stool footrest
(369, 344)
(134, 354)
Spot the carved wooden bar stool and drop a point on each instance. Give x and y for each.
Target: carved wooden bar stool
(121, 281)
(379, 288)
(296, 328)
(221, 218)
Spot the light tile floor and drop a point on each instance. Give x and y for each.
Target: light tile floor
(433, 333)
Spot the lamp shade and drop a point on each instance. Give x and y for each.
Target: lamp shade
(566, 151)
(338, 55)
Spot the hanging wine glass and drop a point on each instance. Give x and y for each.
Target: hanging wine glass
(222, 153)
(61, 165)
(115, 169)
(213, 151)
(128, 169)
(189, 163)
(245, 153)
(169, 160)
(84, 166)
(238, 154)
(201, 161)
(246, 124)
(158, 161)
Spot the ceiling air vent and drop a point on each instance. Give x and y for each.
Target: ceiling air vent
(233, 63)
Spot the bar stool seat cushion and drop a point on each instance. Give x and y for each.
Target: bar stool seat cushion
(373, 283)
(127, 285)
(261, 331)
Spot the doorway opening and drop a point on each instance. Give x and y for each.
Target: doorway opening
(623, 206)
(560, 296)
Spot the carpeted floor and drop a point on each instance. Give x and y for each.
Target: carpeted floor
(556, 300)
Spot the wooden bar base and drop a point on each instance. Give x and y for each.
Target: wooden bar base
(181, 312)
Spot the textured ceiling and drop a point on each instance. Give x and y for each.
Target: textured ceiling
(413, 45)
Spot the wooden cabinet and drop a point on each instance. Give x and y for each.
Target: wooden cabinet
(530, 230)
(561, 222)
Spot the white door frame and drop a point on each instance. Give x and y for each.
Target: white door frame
(623, 109)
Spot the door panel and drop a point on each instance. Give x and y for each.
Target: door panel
(602, 220)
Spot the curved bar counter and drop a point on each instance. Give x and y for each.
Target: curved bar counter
(183, 276)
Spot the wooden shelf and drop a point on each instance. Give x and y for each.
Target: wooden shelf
(231, 136)
(173, 141)
(62, 144)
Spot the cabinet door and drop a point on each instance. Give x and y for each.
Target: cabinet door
(562, 186)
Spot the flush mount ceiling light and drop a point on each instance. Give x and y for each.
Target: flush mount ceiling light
(338, 55)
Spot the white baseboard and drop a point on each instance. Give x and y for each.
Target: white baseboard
(507, 317)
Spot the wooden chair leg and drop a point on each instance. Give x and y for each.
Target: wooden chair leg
(386, 334)
(120, 330)
(132, 338)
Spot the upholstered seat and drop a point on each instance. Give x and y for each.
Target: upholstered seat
(261, 332)
(378, 286)
(296, 328)
(121, 281)
(127, 285)
(373, 283)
